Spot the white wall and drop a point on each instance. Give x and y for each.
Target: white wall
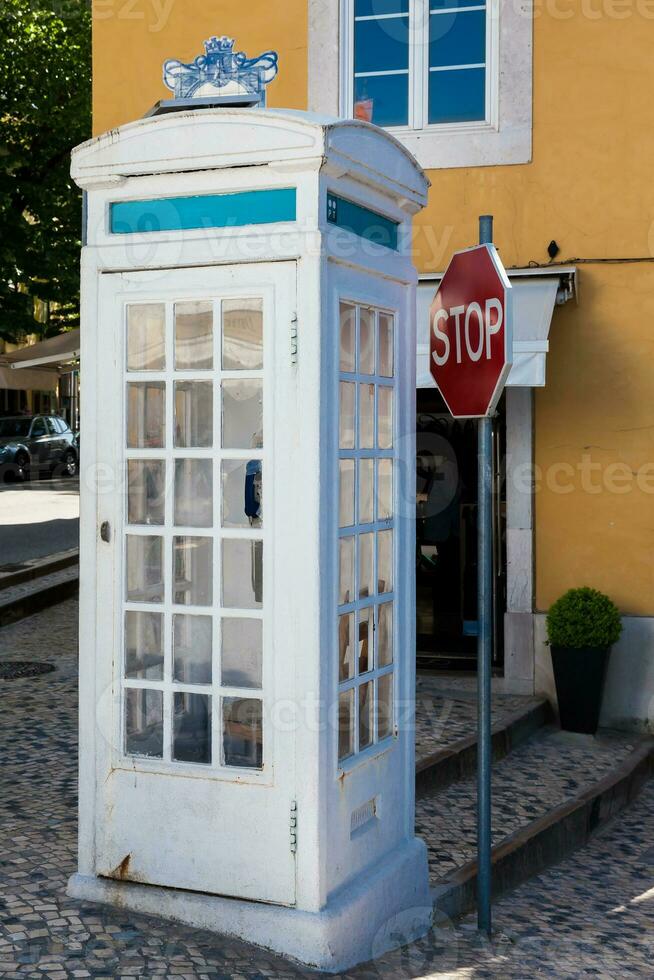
(629, 691)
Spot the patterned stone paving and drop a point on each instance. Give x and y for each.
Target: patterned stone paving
(445, 716)
(548, 770)
(591, 916)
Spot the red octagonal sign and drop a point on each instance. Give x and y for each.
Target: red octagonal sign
(471, 343)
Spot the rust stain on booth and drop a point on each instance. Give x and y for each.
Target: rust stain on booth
(121, 872)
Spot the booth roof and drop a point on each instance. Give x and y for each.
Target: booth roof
(205, 139)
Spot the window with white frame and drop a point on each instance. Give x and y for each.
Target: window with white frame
(417, 64)
(193, 585)
(367, 462)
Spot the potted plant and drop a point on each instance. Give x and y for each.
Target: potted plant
(581, 627)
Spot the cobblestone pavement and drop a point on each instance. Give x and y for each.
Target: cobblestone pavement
(443, 717)
(591, 916)
(548, 770)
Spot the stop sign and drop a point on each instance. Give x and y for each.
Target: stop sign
(471, 346)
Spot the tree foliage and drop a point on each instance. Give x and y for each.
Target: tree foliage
(45, 110)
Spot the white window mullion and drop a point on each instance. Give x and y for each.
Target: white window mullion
(414, 62)
(380, 74)
(419, 79)
(347, 59)
(492, 61)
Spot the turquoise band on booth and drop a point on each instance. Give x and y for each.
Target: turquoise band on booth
(363, 222)
(204, 211)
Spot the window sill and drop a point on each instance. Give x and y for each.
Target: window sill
(466, 145)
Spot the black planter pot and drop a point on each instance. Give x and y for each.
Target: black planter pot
(579, 676)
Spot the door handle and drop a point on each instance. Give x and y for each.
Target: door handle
(105, 531)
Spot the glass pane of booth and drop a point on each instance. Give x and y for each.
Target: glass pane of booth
(367, 342)
(385, 706)
(384, 489)
(144, 650)
(146, 337)
(365, 716)
(347, 393)
(243, 733)
(385, 561)
(194, 492)
(385, 417)
(192, 648)
(346, 493)
(193, 414)
(144, 722)
(242, 334)
(366, 565)
(366, 633)
(345, 724)
(242, 569)
(242, 493)
(366, 416)
(346, 647)
(242, 414)
(144, 578)
(385, 345)
(366, 490)
(385, 634)
(194, 336)
(242, 652)
(192, 571)
(146, 491)
(346, 571)
(348, 326)
(192, 728)
(146, 415)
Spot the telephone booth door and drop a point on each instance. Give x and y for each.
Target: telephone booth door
(195, 441)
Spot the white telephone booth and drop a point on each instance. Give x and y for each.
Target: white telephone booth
(247, 540)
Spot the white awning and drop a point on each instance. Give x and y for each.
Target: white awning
(29, 380)
(61, 349)
(536, 291)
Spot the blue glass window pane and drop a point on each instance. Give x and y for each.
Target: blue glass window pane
(457, 39)
(457, 96)
(373, 8)
(383, 100)
(381, 45)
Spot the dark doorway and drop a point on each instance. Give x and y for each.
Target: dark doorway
(446, 531)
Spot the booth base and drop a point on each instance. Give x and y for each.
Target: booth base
(382, 910)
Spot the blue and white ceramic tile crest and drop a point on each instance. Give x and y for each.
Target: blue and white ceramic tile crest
(221, 71)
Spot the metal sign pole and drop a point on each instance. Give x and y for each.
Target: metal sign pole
(484, 648)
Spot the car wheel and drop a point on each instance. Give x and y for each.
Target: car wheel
(21, 466)
(70, 464)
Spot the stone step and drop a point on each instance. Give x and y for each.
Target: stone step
(549, 796)
(17, 573)
(457, 759)
(446, 729)
(30, 595)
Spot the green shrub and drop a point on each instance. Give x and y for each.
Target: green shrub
(583, 618)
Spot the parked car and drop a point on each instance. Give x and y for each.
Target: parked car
(36, 443)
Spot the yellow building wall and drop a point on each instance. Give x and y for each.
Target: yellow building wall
(595, 442)
(589, 186)
(133, 38)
